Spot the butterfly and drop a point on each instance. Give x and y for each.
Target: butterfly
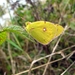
(43, 31)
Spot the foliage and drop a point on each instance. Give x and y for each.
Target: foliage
(2, 36)
(20, 49)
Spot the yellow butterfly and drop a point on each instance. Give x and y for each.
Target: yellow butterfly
(43, 31)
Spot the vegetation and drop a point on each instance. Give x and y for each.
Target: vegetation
(20, 54)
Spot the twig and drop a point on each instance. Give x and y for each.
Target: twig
(53, 53)
(71, 55)
(70, 34)
(29, 73)
(59, 52)
(42, 65)
(68, 68)
(10, 55)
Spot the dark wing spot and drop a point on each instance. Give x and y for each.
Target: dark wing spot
(44, 29)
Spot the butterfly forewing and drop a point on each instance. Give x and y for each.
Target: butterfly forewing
(44, 32)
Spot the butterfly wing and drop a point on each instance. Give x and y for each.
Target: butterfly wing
(60, 29)
(42, 31)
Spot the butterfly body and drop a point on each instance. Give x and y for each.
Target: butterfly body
(43, 31)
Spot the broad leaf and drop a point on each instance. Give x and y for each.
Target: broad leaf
(2, 37)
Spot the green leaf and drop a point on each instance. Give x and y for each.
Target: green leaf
(2, 37)
(18, 30)
(14, 28)
(15, 45)
(72, 25)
